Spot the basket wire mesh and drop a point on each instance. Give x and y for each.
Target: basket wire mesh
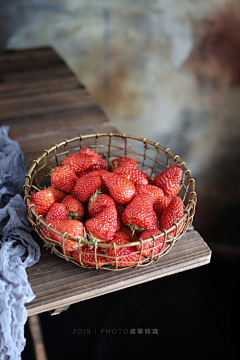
(153, 159)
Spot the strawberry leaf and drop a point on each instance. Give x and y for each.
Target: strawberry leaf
(134, 228)
(50, 246)
(94, 195)
(92, 239)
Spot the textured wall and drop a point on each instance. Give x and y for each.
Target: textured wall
(165, 70)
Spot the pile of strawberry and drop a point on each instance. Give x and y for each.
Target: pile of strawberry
(119, 205)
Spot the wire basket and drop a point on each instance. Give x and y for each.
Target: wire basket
(152, 159)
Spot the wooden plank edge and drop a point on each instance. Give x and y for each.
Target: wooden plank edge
(108, 289)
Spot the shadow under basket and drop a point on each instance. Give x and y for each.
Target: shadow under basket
(152, 159)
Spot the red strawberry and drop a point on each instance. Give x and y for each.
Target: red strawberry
(72, 227)
(139, 213)
(104, 225)
(56, 212)
(120, 210)
(132, 174)
(150, 181)
(99, 202)
(173, 213)
(126, 256)
(63, 178)
(74, 207)
(161, 204)
(147, 246)
(155, 191)
(88, 256)
(125, 161)
(103, 188)
(126, 233)
(87, 184)
(79, 162)
(43, 200)
(59, 195)
(169, 180)
(100, 164)
(85, 172)
(121, 190)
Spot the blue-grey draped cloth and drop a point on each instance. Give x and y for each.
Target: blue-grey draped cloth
(18, 250)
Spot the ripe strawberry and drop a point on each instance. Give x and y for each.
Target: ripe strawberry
(169, 180)
(160, 205)
(149, 245)
(155, 191)
(79, 162)
(85, 172)
(59, 195)
(104, 225)
(88, 256)
(126, 256)
(100, 164)
(63, 178)
(150, 181)
(99, 202)
(43, 200)
(173, 213)
(87, 184)
(56, 212)
(139, 213)
(125, 161)
(126, 233)
(72, 227)
(74, 207)
(103, 188)
(120, 210)
(132, 174)
(121, 190)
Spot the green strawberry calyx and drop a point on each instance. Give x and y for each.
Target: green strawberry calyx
(94, 195)
(50, 246)
(73, 215)
(92, 239)
(134, 228)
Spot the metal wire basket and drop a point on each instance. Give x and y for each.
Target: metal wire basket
(153, 159)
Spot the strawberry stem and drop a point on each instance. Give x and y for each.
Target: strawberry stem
(109, 161)
(36, 188)
(134, 228)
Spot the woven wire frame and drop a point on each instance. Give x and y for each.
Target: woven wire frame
(153, 159)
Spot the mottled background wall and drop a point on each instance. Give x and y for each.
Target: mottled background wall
(165, 70)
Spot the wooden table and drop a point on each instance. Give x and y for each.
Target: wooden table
(43, 103)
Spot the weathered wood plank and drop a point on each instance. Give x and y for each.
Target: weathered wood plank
(58, 283)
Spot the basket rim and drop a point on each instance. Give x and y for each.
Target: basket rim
(81, 240)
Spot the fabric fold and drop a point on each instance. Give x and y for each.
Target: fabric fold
(18, 249)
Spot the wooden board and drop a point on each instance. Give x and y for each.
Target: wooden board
(43, 103)
(57, 283)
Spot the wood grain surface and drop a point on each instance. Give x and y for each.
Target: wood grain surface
(43, 103)
(58, 283)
